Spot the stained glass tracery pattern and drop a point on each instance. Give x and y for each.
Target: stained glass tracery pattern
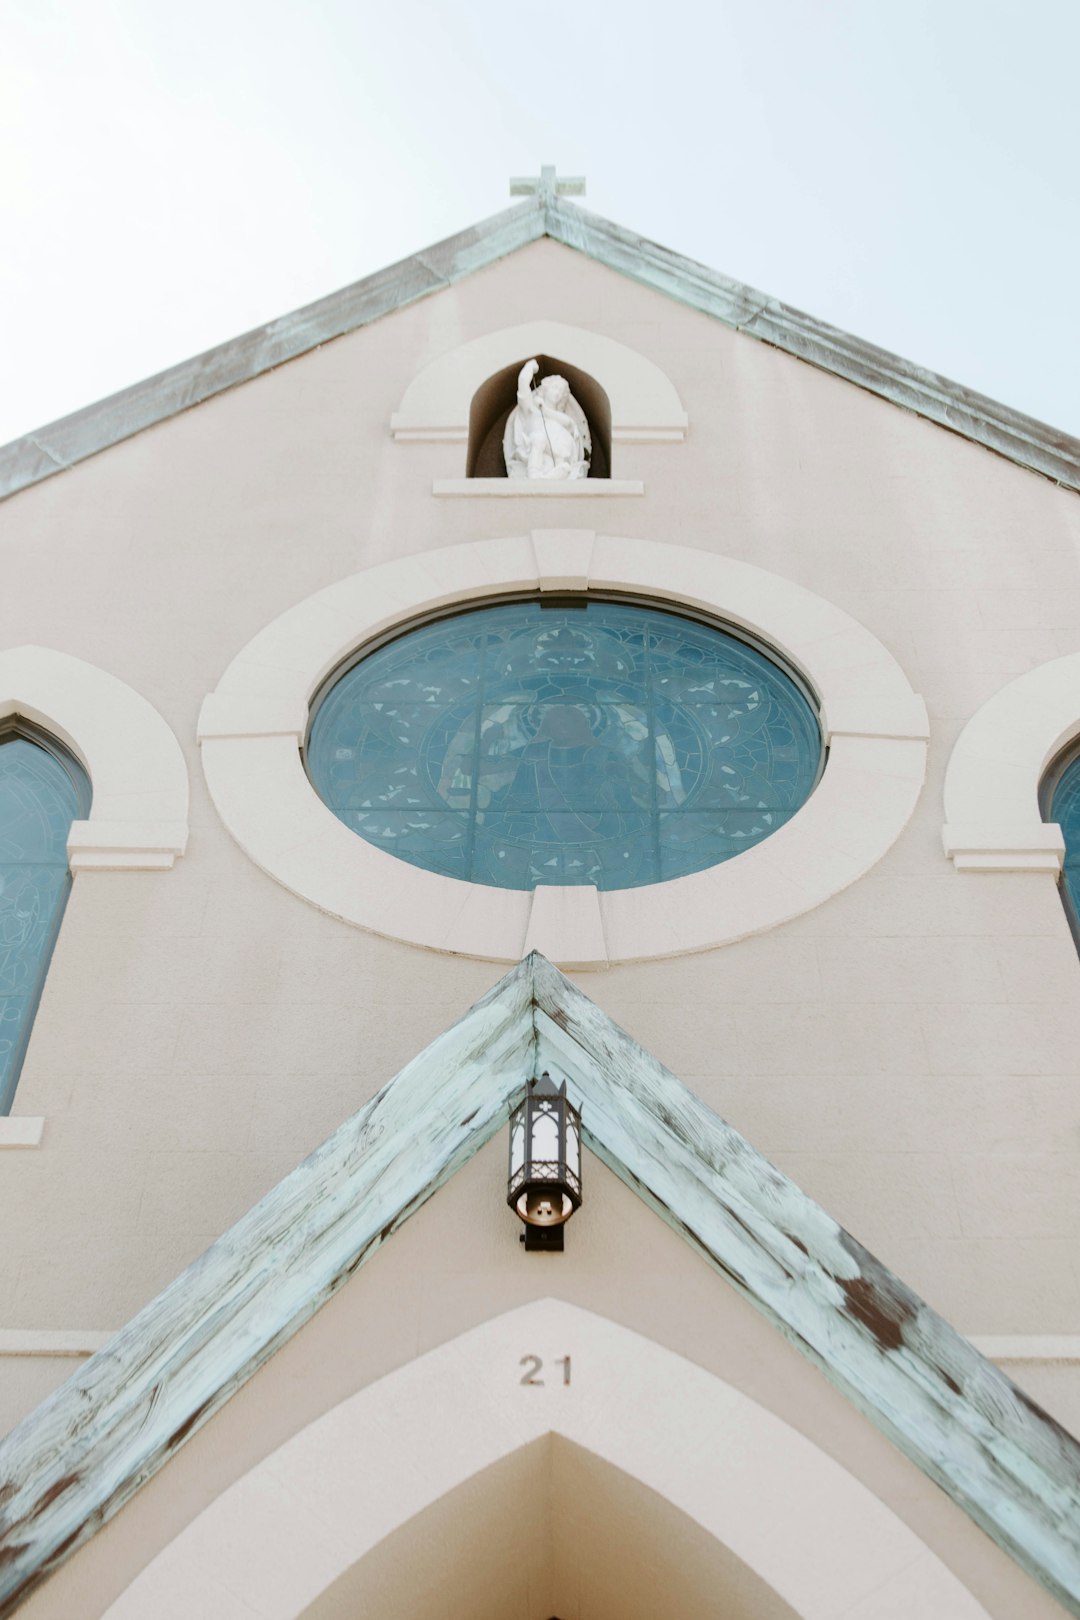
(607, 743)
(40, 796)
(1064, 808)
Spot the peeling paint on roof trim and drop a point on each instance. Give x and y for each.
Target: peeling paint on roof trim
(1019, 438)
(74, 438)
(71, 1465)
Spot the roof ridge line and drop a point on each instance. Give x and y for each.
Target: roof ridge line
(57, 446)
(1013, 434)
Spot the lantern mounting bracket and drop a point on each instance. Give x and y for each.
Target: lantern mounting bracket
(549, 1238)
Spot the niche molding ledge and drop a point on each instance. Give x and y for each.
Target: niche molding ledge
(542, 489)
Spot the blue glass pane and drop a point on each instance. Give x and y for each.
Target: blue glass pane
(605, 743)
(1065, 810)
(39, 799)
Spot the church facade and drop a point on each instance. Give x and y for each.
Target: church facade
(699, 735)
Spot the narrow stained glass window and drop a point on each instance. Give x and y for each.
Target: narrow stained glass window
(1061, 803)
(602, 742)
(42, 791)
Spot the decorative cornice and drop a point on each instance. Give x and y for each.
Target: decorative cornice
(1021, 439)
(70, 1466)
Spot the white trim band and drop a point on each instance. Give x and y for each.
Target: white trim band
(50, 1342)
(250, 729)
(1030, 1347)
(21, 1130)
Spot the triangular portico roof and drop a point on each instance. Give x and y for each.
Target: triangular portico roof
(61, 444)
(70, 1466)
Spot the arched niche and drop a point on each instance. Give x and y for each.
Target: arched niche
(644, 404)
(496, 398)
(638, 1428)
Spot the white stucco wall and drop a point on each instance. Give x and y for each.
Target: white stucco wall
(906, 1051)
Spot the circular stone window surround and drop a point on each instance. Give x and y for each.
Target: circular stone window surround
(253, 726)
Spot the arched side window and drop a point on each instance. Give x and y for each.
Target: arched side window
(1059, 800)
(42, 791)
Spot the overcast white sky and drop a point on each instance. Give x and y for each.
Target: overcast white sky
(172, 174)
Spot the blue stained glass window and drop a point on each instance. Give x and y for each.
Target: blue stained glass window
(42, 791)
(607, 743)
(1061, 802)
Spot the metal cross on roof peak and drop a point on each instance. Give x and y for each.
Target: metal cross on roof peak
(548, 186)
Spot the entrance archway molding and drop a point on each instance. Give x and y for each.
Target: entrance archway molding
(298, 1521)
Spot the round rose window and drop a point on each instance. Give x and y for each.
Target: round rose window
(602, 742)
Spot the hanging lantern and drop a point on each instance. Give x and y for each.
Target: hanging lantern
(544, 1188)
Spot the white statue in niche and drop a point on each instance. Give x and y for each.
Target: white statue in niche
(546, 435)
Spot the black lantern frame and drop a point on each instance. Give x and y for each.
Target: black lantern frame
(544, 1184)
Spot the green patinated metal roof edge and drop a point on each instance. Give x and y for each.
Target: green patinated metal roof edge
(1020, 438)
(72, 1464)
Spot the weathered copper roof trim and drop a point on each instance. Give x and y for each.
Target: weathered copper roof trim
(1019, 438)
(71, 1465)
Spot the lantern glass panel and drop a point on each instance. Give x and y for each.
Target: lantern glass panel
(545, 1139)
(573, 1145)
(517, 1143)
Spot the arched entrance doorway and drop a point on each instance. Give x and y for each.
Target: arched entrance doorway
(551, 1530)
(479, 1475)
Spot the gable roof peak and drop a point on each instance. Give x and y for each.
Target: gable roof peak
(545, 211)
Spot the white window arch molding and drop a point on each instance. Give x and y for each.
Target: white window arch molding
(645, 406)
(339, 1488)
(139, 811)
(252, 729)
(993, 821)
